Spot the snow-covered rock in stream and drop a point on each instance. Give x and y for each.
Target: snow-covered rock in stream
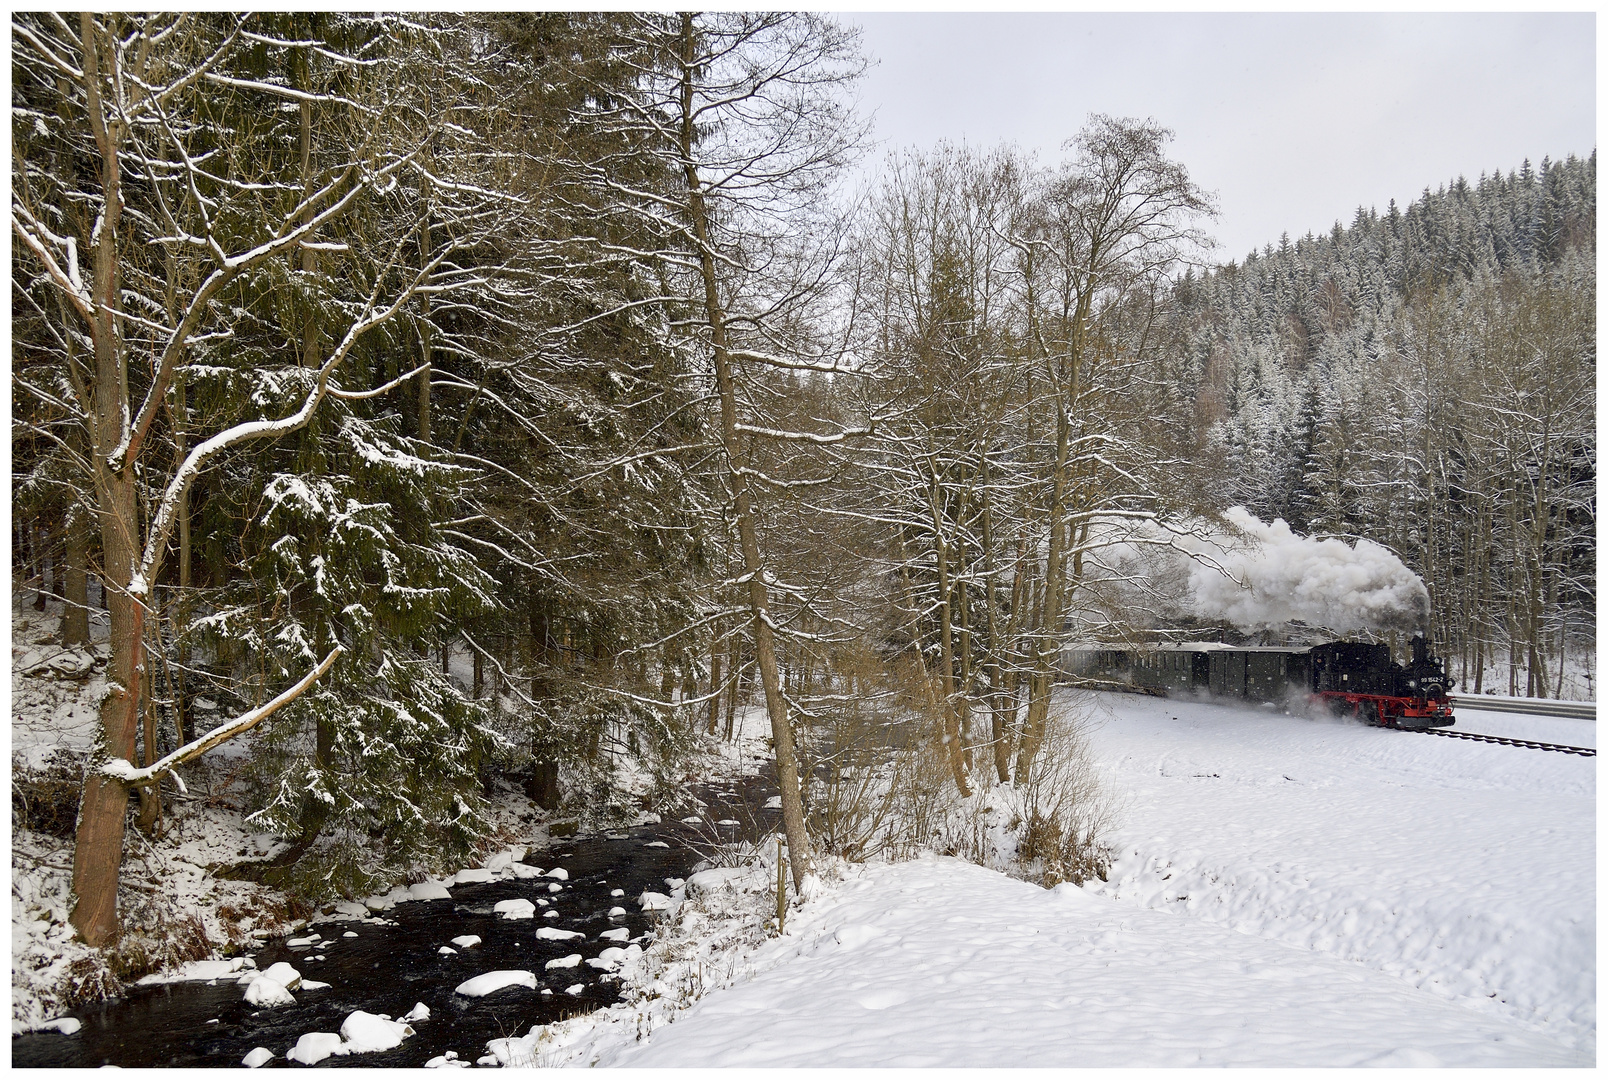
(283, 974)
(419, 1012)
(429, 890)
(264, 993)
(365, 1033)
(558, 873)
(572, 960)
(273, 987)
(466, 941)
(361, 1033)
(492, 981)
(206, 971)
(553, 933)
(449, 1060)
(612, 958)
(471, 876)
(257, 1058)
(314, 1047)
(515, 909)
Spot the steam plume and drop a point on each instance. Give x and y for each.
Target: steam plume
(1320, 582)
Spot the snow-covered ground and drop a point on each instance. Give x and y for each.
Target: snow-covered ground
(1287, 891)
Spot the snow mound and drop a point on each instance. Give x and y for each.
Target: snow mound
(710, 881)
(62, 1025)
(257, 1058)
(553, 933)
(572, 960)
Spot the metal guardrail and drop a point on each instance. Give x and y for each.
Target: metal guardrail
(1572, 710)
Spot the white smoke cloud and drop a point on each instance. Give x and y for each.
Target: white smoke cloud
(1290, 578)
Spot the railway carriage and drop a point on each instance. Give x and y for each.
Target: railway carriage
(1346, 677)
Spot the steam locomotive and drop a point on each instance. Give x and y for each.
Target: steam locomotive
(1347, 677)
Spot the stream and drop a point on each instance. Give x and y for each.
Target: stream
(389, 968)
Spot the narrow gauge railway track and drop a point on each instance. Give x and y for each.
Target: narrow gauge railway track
(1583, 751)
(1527, 744)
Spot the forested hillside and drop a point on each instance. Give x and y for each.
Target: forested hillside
(1424, 378)
(445, 398)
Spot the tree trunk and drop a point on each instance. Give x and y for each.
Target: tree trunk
(41, 546)
(947, 702)
(798, 842)
(75, 615)
(98, 853)
(426, 343)
(714, 685)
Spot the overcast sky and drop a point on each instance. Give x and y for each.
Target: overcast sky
(1294, 120)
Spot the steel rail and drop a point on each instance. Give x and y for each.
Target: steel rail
(1583, 751)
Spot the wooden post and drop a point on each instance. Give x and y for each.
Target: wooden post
(781, 888)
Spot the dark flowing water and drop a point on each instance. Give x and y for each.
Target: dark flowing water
(388, 969)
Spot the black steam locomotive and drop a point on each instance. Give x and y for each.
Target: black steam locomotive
(1346, 677)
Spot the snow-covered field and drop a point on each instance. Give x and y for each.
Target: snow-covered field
(1287, 891)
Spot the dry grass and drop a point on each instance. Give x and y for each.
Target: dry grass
(882, 786)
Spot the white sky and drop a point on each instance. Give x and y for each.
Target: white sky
(1293, 119)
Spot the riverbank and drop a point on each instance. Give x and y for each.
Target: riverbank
(176, 908)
